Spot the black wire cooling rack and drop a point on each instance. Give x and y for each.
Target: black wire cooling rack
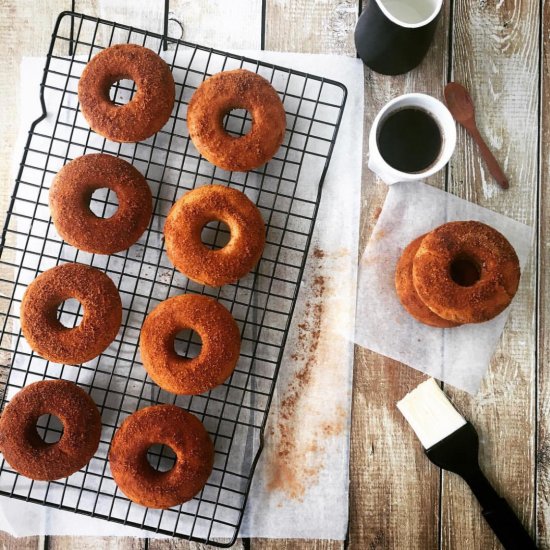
(287, 190)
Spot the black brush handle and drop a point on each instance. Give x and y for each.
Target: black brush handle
(508, 528)
(458, 453)
(500, 517)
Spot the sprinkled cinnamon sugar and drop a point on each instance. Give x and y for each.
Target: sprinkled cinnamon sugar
(299, 434)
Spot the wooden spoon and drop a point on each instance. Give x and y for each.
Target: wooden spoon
(462, 108)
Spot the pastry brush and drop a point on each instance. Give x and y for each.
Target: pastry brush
(452, 443)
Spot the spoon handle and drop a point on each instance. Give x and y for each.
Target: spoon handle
(489, 158)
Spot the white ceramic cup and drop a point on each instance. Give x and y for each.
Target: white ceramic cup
(446, 124)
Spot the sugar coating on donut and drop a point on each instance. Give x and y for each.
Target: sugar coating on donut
(102, 313)
(215, 98)
(150, 107)
(406, 291)
(186, 221)
(220, 340)
(70, 196)
(478, 245)
(167, 425)
(27, 453)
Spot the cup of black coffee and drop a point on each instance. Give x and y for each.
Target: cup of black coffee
(393, 36)
(411, 138)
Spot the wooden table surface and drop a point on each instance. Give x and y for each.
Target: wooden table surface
(500, 50)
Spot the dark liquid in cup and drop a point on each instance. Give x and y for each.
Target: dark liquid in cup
(409, 140)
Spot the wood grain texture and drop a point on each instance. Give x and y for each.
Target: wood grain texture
(322, 26)
(495, 55)
(394, 488)
(543, 341)
(7, 542)
(96, 543)
(177, 544)
(295, 544)
(218, 23)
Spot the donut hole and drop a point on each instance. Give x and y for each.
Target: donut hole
(68, 313)
(187, 344)
(122, 91)
(161, 457)
(237, 122)
(215, 235)
(49, 428)
(104, 203)
(465, 271)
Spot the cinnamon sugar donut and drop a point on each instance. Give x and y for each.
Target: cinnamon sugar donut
(220, 349)
(100, 323)
(186, 221)
(70, 197)
(27, 453)
(466, 272)
(407, 293)
(215, 98)
(167, 425)
(150, 107)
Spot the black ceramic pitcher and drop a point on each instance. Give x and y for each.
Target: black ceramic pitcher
(393, 36)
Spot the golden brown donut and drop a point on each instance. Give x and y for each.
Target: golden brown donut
(99, 325)
(166, 425)
(150, 107)
(70, 197)
(407, 293)
(27, 453)
(466, 272)
(184, 225)
(215, 98)
(220, 349)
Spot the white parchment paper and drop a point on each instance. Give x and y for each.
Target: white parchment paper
(459, 356)
(304, 464)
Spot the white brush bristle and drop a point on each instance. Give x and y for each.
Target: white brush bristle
(431, 415)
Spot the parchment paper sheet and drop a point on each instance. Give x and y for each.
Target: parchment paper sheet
(304, 464)
(459, 356)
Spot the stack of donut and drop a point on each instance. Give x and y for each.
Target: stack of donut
(145, 114)
(461, 272)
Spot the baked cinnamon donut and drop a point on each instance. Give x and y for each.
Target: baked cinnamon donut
(167, 425)
(215, 98)
(466, 272)
(407, 293)
(100, 323)
(150, 107)
(27, 453)
(220, 349)
(184, 225)
(70, 197)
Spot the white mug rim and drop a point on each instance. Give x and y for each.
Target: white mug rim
(393, 19)
(449, 137)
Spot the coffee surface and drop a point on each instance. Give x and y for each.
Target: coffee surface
(409, 140)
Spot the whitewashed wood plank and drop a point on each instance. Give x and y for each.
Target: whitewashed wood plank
(218, 23)
(7, 542)
(322, 26)
(495, 55)
(543, 448)
(295, 544)
(95, 543)
(177, 544)
(384, 472)
(395, 490)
